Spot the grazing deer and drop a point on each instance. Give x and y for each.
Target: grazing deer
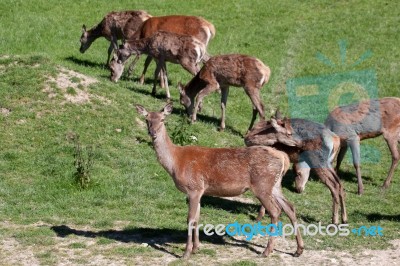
(220, 72)
(196, 27)
(162, 47)
(364, 120)
(309, 145)
(222, 172)
(119, 20)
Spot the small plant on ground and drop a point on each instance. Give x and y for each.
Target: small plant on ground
(83, 162)
(182, 133)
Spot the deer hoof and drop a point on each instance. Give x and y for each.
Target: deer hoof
(186, 255)
(298, 253)
(266, 253)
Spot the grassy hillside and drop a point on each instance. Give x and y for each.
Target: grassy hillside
(129, 189)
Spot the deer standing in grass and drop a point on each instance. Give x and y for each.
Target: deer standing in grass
(220, 72)
(364, 120)
(222, 172)
(309, 145)
(118, 21)
(196, 27)
(162, 47)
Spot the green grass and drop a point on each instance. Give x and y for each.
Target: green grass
(127, 182)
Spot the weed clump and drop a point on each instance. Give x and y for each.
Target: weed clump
(83, 162)
(182, 133)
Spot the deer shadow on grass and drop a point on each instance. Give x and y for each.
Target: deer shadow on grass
(376, 217)
(231, 206)
(86, 63)
(162, 239)
(147, 92)
(178, 110)
(351, 177)
(216, 122)
(373, 217)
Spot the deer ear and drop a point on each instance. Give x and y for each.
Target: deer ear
(278, 114)
(181, 88)
(167, 109)
(141, 110)
(277, 127)
(286, 124)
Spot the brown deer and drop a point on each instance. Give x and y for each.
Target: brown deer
(220, 72)
(196, 27)
(364, 120)
(231, 173)
(113, 20)
(162, 47)
(309, 145)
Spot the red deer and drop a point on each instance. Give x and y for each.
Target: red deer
(220, 72)
(105, 28)
(309, 145)
(196, 27)
(162, 47)
(233, 171)
(364, 120)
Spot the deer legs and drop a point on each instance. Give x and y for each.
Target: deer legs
(274, 205)
(193, 241)
(161, 70)
(392, 140)
(224, 99)
(258, 106)
(146, 65)
(354, 144)
(132, 65)
(109, 51)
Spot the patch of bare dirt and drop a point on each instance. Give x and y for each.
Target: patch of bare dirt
(5, 111)
(13, 253)
(162, 250)
(73, 86)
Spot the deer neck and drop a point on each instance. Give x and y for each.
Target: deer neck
(95, 32)
(165, 150)
(138, 46)
(193, 88)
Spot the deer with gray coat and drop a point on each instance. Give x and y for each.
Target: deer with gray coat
(364, 120)
(113, 23)
(309, 145)
(233, 171)
(162, 47)
(220, 72)
(194, 26)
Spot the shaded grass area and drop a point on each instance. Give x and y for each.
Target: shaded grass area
(128, 184)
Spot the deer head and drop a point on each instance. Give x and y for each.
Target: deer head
(185, 100)
(154, 120)
(85, 40)
(116, 68)
(272, 132)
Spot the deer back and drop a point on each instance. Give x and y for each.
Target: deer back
(235, 70)
(362, 119)
(306, 140)
(121, 22)
(196, 27)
